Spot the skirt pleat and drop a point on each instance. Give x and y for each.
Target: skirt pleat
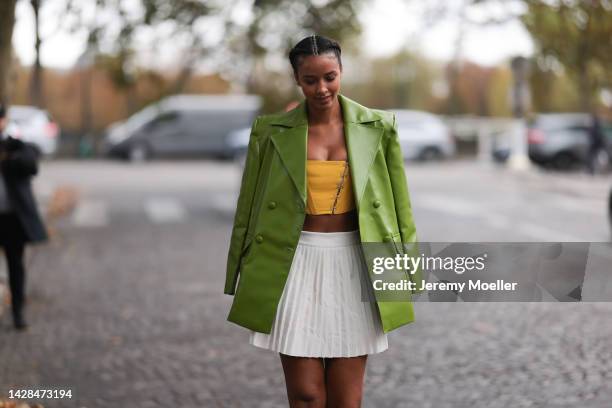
(321, 312)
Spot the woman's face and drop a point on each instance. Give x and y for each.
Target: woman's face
(319, 78)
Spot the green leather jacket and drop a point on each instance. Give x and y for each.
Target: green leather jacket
(271, 207)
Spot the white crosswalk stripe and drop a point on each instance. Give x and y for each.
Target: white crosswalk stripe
(168, 209)
(90, 213)
(164, 209)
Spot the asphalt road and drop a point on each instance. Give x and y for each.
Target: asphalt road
(126, 305)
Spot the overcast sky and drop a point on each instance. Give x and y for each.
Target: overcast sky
(388, 26)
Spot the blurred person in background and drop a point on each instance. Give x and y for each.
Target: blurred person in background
(319, 180)
(596, 144)
(20, 222)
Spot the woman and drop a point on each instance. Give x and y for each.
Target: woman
(319, 181)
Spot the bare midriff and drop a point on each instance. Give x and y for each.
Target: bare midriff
(331, 222)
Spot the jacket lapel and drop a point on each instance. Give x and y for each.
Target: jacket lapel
(362, 144)
(361, 135)
(291, 147)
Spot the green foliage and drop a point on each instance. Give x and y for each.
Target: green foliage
(114, 66)
(552, 90)
(279, 24)
(183, 12)
(578, 35)
(404, 80)
(127, 23)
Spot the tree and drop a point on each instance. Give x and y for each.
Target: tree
(118, 40)
(277, 25)
(576, 34)
(7, 21)
(405, 80)
(571, 34)
(36, 87)
(238, 52)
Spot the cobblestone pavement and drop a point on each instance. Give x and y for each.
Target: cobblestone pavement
(134, 316)
(131, 314)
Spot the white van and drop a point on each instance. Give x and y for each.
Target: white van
(182, 125)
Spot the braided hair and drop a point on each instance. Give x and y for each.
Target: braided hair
(313, 45)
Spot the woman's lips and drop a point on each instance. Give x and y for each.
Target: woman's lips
(325, 99)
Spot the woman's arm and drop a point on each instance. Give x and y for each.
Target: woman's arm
(401, 197)
(243, 211)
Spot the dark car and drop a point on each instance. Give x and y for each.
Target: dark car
(182, 125)
(561, 140)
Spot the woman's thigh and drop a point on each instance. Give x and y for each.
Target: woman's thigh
(305, 381)
(344, 381)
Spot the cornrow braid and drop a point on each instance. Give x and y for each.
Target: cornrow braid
(315, 50)
(313, 45)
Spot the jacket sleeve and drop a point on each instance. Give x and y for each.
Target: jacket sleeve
(401, 198)
(243, 211)
(21, 162)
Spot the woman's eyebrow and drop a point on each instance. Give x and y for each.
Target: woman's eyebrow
(314, 76)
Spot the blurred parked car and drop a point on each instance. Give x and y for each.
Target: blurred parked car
(423, 136)
(561, 140)
(236, 145)
(182, 125)
(36, 126)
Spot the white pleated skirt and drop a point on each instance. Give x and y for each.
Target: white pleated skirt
(321, 312)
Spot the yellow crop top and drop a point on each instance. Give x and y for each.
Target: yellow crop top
(329, 189)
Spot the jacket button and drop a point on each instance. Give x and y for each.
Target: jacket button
(387, 238)
(376, 203)
(272, 205)
(259, 239)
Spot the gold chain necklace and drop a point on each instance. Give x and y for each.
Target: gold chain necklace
(340, 186)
